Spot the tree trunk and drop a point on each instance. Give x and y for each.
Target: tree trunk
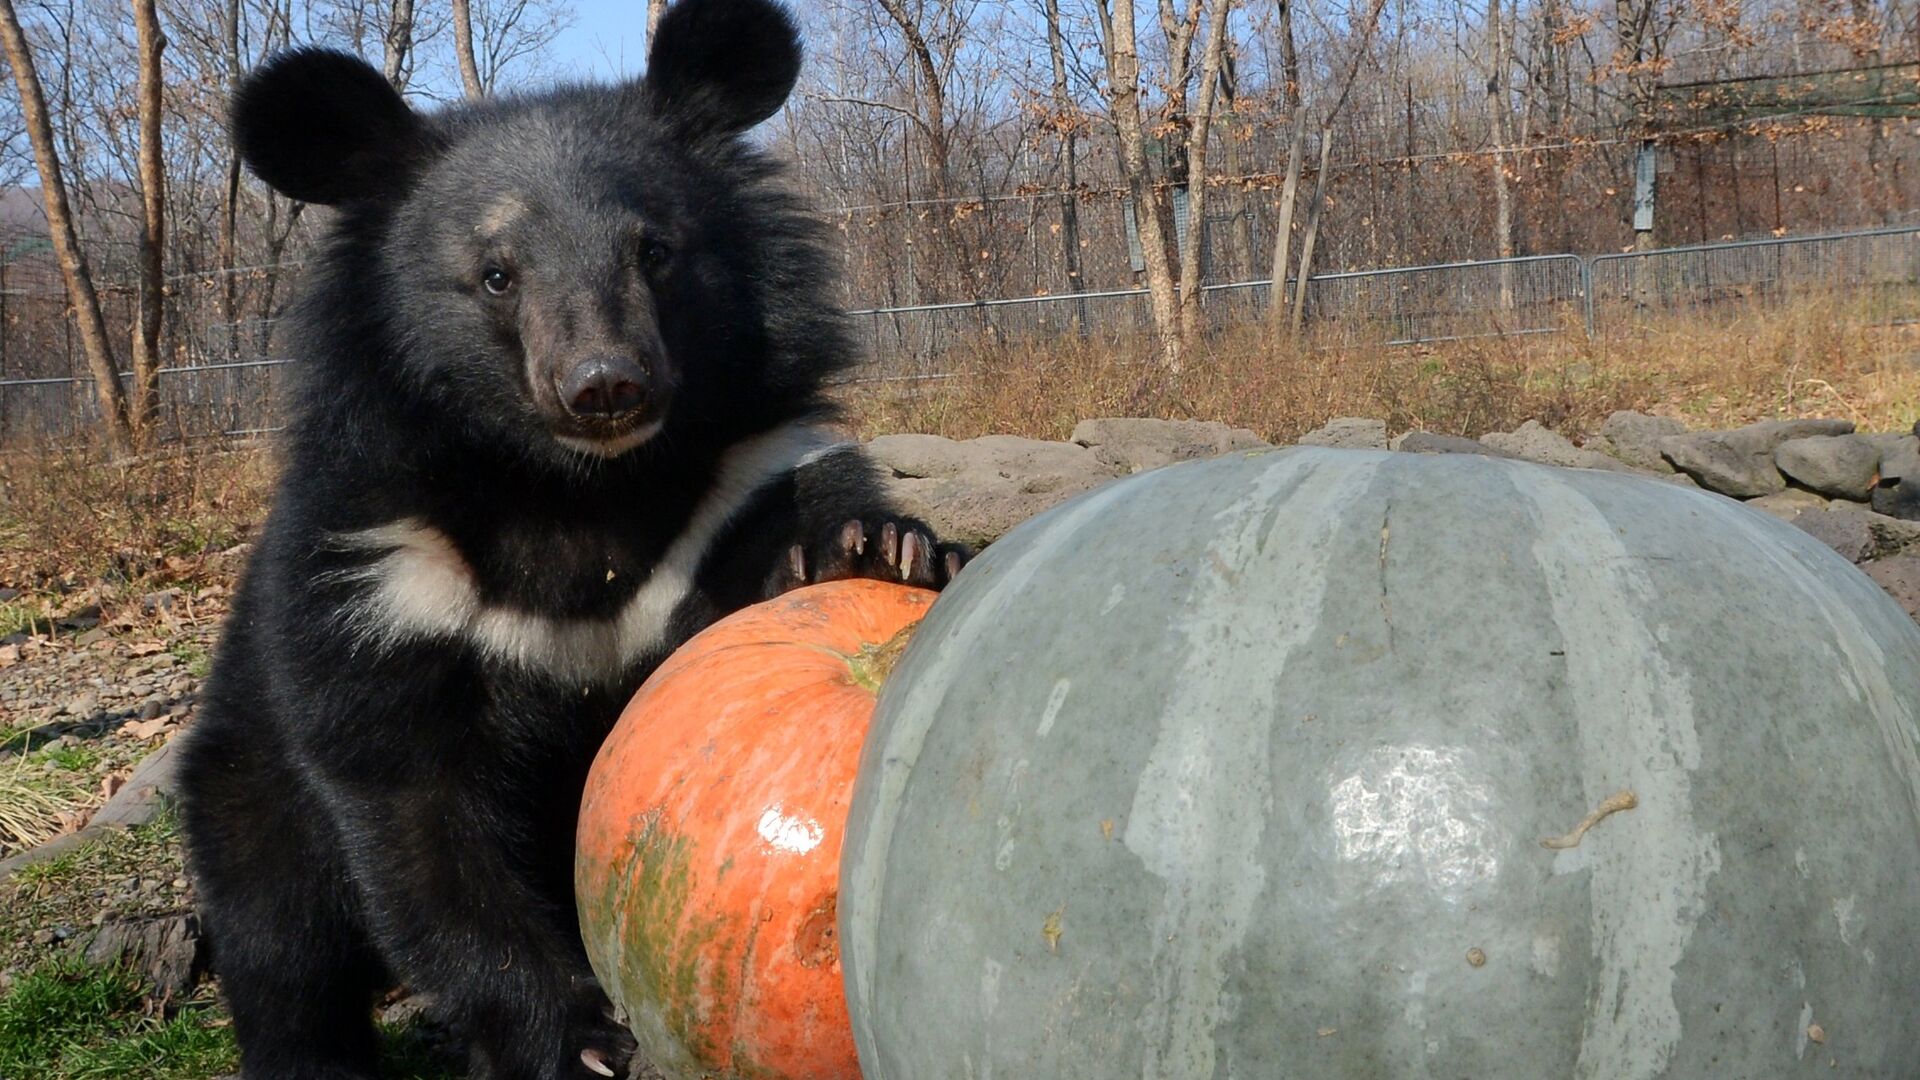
(399, 43)
(145, 406)
(1497, 132)
(1123, 95)
(463, 47)
(1313, 230)
(1066, 117)
(1236, 190)
(230, 197)
(1191, 293)
(1290, 188)
(65, 238)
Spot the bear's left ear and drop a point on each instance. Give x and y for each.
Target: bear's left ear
(722, 66)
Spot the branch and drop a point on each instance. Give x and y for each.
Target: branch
(841, 99)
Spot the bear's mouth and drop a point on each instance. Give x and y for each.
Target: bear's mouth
(600, 444)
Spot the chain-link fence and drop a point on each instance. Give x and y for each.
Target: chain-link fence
(229, 384)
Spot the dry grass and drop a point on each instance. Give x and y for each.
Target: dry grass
(74, 528)
(70, 519)
(1814, 359)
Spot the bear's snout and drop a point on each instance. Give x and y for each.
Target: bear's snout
(604, 386)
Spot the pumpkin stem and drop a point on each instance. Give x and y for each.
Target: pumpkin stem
(873, 663)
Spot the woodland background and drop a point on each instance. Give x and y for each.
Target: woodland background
(972, 150)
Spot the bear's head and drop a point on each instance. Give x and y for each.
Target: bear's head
(564, 273)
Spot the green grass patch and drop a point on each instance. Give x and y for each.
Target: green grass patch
(66, 1021)
(23, 617)
(74, 758)
(193, 656)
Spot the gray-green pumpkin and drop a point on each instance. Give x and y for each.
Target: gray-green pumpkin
(1275, 766)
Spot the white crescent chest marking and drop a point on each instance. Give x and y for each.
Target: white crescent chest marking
(423, 587)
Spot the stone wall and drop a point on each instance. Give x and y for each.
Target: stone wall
(1857, 492)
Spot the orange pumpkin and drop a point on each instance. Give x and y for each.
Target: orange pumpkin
(709, 841)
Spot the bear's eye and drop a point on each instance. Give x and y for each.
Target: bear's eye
(496, 280)
(654, 256)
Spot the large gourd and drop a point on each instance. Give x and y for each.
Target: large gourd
(1344, 764)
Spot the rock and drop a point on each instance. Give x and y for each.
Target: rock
(1900, 576)
(1634, 438)
(1132, 444)
(974, 491)
(167, 949)
(1350, 433)
(1897, 492)
(1842, 466)
(1845, 531)
(1533, 441)
(7, 594)
(1740, 462)
(82, 705)
(1426, 442)
(159, 601)
(1789, 504)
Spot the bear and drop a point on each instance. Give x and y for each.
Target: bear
(563, 377)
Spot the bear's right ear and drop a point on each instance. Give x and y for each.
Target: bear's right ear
(722, 66)
(324, 127)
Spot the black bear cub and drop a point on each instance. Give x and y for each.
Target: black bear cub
(560, 379)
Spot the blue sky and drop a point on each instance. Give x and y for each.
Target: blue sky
(607, 38)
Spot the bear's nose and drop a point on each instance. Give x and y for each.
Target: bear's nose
(603, 386)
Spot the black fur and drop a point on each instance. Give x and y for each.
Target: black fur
(362, 808)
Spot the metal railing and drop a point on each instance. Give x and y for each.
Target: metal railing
(1876, 272)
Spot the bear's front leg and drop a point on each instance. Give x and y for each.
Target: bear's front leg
(442, 864)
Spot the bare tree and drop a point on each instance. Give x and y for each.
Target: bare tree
(1499, 132)
(1191, 293)
(1290, 187)
(65, 238)
(1066, 122)
(398, 45)
(513, 36)
(1119, 44)
(463, 47)
(1362, 41)
(153, 232)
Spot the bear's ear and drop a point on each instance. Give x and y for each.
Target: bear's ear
(324, 127)
(722, 66)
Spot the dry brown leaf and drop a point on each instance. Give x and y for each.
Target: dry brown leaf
(145, 648)
(147, 729)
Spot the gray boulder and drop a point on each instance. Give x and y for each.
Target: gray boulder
(974, 491)
(1349, 433)
(1842, 466)
(1135, 444)
(1634, 438)
(1427, 442)
(1897, 491)
(1740, 462)
(1534, 441)
(1900, 576)
(1789, 504)
(1859, 534)
(1845, 531)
